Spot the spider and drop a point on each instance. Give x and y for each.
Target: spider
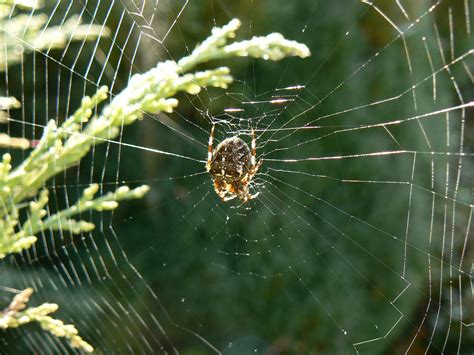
(232, 166)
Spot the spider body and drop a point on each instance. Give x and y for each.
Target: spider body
(232, 166)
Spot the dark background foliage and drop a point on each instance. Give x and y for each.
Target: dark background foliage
(332, 254)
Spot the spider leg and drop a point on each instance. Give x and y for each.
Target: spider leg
(223, 191)
(209, 149)
(247, 196)
(254, 165)
(253, 171)
(231, 191)
(228, 198)
(220, 191)
(251, 197)
(254, 150)
(253, 159)
(257, 166)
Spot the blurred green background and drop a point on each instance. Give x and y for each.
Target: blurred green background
(315, 264)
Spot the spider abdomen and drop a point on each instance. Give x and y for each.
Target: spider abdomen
(231, 160)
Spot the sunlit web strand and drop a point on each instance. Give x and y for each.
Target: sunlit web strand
(360, 68)
(365, 155)
(139, 181)
(138, 147)
(382, 182)
(408, 284)
(72, 70)
(310, 123)
(376, 125)
(355, 218)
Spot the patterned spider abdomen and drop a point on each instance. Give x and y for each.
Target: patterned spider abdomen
(231, 160)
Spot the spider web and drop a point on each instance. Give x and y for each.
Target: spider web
(361, 237)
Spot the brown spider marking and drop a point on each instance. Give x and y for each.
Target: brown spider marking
(232, 166)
